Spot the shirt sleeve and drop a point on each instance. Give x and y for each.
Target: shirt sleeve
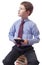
(35, 33)
(12, 33)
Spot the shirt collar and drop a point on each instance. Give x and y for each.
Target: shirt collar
(25, 19)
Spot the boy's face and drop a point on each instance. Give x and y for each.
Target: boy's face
(22, 60)
(19, 63)
(22, 12)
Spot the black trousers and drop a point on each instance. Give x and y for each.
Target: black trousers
(28, 51)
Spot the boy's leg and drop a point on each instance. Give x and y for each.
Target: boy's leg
(12, 56)
(31, 57)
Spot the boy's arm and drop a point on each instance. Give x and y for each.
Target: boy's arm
(11, 33)
(35, 33)
(35, 39)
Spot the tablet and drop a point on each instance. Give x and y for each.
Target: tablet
(18, 41)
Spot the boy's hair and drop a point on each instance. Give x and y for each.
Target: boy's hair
(28, 6)
(22, 60)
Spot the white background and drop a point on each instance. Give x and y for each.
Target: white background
(8, 15)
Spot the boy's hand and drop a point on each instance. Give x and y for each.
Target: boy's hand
(25, 42)
(18, 38)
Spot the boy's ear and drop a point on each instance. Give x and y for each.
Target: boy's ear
(28, 12)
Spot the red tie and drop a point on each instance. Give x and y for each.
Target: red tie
(21, 29)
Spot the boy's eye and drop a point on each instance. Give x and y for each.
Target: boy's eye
(20, 9)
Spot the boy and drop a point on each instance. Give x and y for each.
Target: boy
(30, 35)
(22, 60)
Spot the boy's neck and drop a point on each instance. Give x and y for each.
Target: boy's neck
(24, 18)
